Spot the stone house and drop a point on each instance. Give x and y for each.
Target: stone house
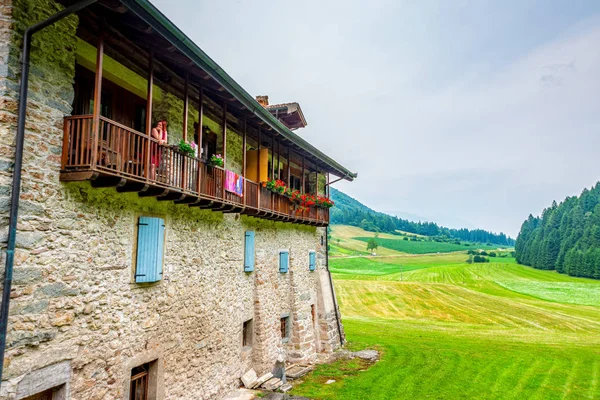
(145, 268)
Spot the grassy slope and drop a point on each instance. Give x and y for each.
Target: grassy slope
(348, 245)
(422, 247)
(350, 240)
(452, 330)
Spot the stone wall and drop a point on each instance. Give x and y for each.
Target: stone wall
(74, 301)
(74, 298)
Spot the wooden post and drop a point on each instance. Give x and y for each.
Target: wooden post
(184, 173)
(224, 143)
(278, 159)
(244, 160)
(149, 113)
(273, 157)
(97, 100)
(289, 162)
(258, 169)
(185, 105)
(200, 148)
(200, 117)
(303, 183)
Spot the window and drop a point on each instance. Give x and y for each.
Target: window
(45, 395)
(284, 261)
(150, 249)
(138, 389)
(285, 327)
(312, 260)
(313, 313)
(247, 334)
(249, 252)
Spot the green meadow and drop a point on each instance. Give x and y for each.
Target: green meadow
(423, 246)
(451, 330)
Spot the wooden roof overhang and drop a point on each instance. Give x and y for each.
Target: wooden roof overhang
(289, 113)
(134, 28)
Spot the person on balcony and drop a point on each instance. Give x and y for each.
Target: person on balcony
(159, 133)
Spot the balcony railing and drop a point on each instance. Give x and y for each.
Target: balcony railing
(131, 161)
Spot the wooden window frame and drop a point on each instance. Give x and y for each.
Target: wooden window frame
(285, 327)
(139, 379)
(247, 333)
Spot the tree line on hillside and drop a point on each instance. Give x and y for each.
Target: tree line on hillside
(566, 237)
(349, 211)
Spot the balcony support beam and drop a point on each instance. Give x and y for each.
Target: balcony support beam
(289, 176)
(186, 105)
(149, 113)
(97, 98)
(303, 181)
(272, 157)
(224, 143)
(244, 141)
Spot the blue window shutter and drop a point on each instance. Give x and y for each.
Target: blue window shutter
(312, 261)
(150, 249)
(284, 261)
(249, 252)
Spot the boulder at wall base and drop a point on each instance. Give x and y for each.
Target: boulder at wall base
(369, 355)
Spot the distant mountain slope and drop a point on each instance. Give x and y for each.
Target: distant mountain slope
(350, 211)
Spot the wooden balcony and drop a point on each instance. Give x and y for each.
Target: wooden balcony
(122, 157)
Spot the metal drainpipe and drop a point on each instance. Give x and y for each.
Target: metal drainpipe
(16, 182)
(335, 306)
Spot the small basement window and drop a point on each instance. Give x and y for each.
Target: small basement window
(45, 395)
(247, 333)
(285, 327)
(139, 382)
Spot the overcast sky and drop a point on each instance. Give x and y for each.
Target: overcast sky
(471, 113)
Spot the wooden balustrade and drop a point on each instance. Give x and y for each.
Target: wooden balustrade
(121, 157)
(251, 194)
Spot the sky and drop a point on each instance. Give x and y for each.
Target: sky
(467, 113)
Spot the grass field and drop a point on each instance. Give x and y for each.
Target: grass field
(451, 330)
(352, 241)
(422, 247)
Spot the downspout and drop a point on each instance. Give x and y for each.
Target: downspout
(335, 305)
(16, 182)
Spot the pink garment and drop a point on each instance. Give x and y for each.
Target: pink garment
(234, 183)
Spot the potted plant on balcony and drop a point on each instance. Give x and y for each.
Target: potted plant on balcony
(189, 149)
(324, 202)
(216, 160)
(276, 186)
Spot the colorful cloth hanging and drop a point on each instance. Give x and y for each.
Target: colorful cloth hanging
(234, 183)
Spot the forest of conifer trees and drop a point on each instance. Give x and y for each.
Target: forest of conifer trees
(566, 237)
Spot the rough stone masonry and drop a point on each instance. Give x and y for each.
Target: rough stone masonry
(78, 323)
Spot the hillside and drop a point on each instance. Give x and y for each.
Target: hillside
(346, 240)
(349, 211)
(566, 237)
